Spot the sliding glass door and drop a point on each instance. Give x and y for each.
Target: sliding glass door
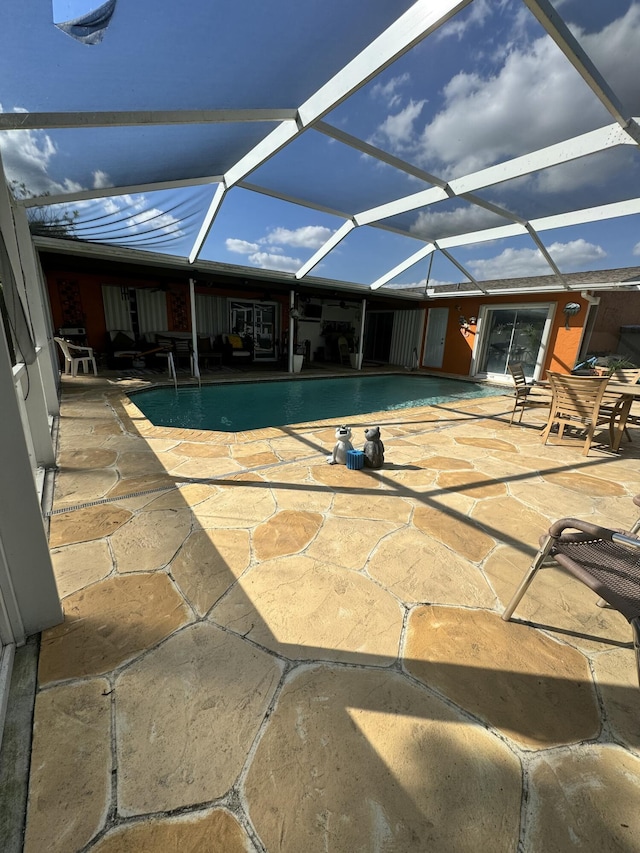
(258, 321)
(512, 333)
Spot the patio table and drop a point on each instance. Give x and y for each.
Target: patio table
(620, 396)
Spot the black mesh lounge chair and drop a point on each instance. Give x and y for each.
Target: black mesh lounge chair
(607, 561)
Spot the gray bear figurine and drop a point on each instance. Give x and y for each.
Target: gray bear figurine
(343, 444)
(373, 448)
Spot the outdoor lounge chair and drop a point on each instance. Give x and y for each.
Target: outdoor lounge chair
(526, 394)
(607, 561)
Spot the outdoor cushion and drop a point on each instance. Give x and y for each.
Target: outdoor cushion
(122, 341)
(235, 341)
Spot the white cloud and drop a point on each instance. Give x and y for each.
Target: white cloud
(308, 237)
(488, 118)
(27, 155)
(101, 180)
(398, 129)
(636, 249)
(515, 263)
(274, 261)
(388, 91)
(456, 27)
(156, 219)
(433, 224)
(240, 247)
(614, 51)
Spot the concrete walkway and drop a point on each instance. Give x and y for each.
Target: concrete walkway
(263, 652)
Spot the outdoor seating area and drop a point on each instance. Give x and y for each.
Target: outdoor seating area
(579, 404)
(276, 654)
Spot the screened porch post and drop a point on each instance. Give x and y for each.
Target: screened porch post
(292, 302)
(361, 338)
(195, 366)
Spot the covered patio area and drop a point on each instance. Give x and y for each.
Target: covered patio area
(262, 652)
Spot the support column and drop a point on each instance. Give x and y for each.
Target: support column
(194, 329)
(292, 322)
(26, 574)
(34, 293)
(361, 339)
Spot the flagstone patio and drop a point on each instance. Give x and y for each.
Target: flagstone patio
(262, 652)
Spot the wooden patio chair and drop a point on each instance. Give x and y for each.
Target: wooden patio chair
(526, 394)
(576, 402)
(607, 561)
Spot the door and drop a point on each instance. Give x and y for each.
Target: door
(512, 333)
(377, 336)
(437, 320)
(256, 320)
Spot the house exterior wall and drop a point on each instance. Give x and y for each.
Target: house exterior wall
(562, 348)
(615, 310)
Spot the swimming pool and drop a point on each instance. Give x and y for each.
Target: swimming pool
(230, 407)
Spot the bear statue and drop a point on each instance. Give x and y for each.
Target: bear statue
(373, 448)
(342, 445)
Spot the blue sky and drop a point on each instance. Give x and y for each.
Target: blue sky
(486, 87)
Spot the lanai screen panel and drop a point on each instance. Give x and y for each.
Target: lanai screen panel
(323, 171)
(445, 109)
(278, 235)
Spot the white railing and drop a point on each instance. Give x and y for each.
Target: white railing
(172, 370)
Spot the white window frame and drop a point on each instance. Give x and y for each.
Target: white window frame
(479, 342)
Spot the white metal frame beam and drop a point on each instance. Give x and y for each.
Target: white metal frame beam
(423, 18)
(138, 118)
(546, 223)
(556, 28)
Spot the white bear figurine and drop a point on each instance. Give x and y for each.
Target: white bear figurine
(343, 444)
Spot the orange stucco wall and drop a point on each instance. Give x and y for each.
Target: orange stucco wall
(562, 348)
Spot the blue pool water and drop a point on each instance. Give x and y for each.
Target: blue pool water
(231, 407)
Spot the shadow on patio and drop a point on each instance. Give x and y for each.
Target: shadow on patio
(280, 655)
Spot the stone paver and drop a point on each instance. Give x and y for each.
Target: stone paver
(306, 609)
(356, 761)
(533, 689)
(186, 715)
(572, 807)
(109, 623)
(298, 656)
(617, 677)
(418, 568)
(77, 566)
(285, 533)
(83, 525)
(150, 540)
(208, 563)
(459, 534)
(359, 536)
(236, 506)
(214, 829)
(70, 767)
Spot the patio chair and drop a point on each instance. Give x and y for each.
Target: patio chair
(576, 401)
(75, 356)
(607, 561)
(526, 393)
